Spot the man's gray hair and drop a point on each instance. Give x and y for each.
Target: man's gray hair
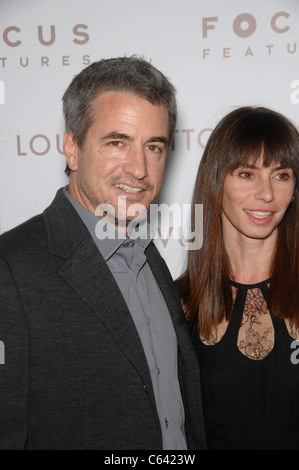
(130, 74)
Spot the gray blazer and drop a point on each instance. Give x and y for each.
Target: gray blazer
(75, 375)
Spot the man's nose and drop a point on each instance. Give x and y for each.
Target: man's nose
(136, 164)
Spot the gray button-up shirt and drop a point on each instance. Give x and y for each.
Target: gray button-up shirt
(128, 264)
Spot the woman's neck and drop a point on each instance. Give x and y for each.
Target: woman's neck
(250, 259)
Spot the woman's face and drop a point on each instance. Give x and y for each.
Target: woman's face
(255, 199)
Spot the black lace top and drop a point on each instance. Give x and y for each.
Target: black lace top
(250, 377)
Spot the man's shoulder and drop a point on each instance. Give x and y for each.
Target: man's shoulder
(32, 234)
(28, 235)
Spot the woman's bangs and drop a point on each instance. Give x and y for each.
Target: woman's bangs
(245, 155)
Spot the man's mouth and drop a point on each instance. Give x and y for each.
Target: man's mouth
(128, 189)
(259, 214)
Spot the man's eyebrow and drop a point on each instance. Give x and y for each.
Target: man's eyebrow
(161, 139)
(120, 135)
(117, 136)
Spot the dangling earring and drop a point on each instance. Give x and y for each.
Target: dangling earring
(293, 198)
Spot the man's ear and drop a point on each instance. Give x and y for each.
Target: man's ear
(70, 150)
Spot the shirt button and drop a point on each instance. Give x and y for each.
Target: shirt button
(144, 387)
(128, 244)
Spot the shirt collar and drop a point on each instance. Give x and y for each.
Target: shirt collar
(107, 239)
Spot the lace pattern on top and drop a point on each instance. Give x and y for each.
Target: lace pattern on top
(216, 335)
(256, 334)
(293, 331)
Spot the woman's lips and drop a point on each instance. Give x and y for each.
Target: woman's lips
(259, 217)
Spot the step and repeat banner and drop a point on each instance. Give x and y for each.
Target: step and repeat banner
(219, 55)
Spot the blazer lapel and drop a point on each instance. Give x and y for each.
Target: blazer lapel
(165, 281)
(87, 273)
(173, 302)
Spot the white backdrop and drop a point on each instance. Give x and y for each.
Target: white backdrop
(219, 55)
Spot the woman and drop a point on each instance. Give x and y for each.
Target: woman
(241, 289)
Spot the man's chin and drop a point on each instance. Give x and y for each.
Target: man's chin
(123, 214)
(131, 212)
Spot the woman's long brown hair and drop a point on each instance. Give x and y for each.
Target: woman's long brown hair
(205, 287)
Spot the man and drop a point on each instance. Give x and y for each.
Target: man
(95, 354)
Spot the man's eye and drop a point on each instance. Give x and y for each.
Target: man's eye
(154, 148)
(115, 143)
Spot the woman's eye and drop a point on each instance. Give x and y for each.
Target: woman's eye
(246, 174)
(283, 176)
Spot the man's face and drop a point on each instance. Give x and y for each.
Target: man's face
(123, 154)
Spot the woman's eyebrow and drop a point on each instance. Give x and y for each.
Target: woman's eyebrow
(248, 165)
(254, 167)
